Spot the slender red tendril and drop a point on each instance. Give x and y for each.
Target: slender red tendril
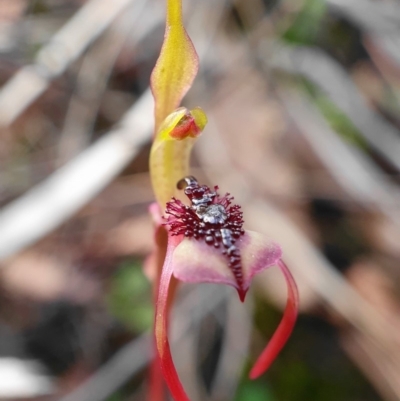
(161, 326)
(284, 329)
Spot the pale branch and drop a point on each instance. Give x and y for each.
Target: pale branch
(362, 179)
(334, 82)
(53, 59)
(46, 206)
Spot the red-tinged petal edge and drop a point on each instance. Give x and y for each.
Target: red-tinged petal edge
(161, 326)
(284, 329)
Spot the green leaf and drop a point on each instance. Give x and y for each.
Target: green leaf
(254, 391)
(129, 298)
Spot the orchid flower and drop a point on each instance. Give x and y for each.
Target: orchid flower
(199, 237)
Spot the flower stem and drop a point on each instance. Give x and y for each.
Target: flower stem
(156, 382)
(161, 326)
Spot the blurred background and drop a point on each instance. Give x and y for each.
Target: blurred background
(303, 99)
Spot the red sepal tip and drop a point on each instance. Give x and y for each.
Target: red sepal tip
(284, 329)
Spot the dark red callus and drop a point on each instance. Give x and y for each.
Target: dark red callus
(209, 218)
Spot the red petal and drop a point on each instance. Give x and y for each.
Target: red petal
(284, 329)
(161, 326)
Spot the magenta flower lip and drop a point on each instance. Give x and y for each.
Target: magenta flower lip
(207, 243)
(196, 262)
(215, 224)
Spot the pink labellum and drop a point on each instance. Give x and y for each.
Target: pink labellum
(206, 243)
(197, 262)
